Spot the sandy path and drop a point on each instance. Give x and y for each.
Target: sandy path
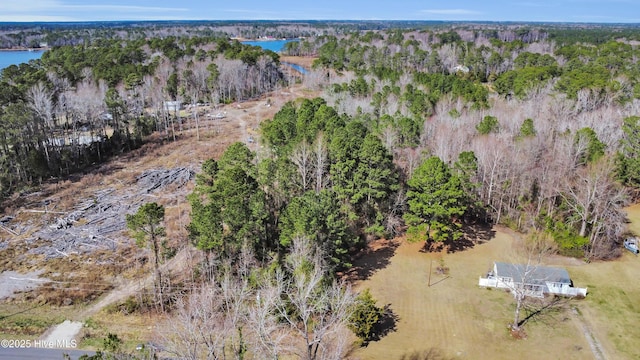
(63, 335)
(176, 263)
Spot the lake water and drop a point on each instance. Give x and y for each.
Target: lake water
(8, 58)
(277, 46)
(273, 45)
(297, 67)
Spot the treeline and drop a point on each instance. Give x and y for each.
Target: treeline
(543, 119)
(331, 178)
(35, 35)
(515, 67)
(79, 104)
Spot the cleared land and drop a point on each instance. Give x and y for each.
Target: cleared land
(454, 318)
(26, 315)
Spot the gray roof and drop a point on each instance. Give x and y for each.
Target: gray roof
(533, 274)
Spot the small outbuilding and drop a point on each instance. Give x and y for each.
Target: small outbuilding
(631, 244)
(461, 68)
(536, 280)
(172, 105)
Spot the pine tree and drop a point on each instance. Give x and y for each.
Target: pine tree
(436, 200)
(147, 230)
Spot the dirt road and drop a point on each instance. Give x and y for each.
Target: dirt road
(63, 335)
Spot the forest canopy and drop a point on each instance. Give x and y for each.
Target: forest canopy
(426, 131)
(518, 116)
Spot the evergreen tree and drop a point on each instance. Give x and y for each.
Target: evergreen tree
(527, 129)
(436, 200)
(146, 227)
(147, 230)
(466, 169)
(628, 159)
(366, 316)
(375, 179)
(228, 206)
(343, 149)
(318, 217)
(588, 147)
(489, 124)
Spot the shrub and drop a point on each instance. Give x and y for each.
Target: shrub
(365, 316)
(488, 125)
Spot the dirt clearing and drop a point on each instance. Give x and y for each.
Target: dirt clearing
(12, 282)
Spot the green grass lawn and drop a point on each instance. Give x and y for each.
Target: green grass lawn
(455, 319)
(22, 320)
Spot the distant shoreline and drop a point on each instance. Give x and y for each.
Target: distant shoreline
(24, 49)
(241, 39)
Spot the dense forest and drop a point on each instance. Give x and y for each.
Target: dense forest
(420, 130)
(537, 125)
(543, 120)
(35, 35)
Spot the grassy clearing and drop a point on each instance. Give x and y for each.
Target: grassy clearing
(132, 329)
(612, 306)
(456, 318)
(26, 320)
(306, 62)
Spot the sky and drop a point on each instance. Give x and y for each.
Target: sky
(600, 11)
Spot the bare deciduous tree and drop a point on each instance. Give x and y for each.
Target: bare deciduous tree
(538, 246)
(208, 322)
(291, 311)
(317, 314)
(41, 102)
(301, 158)
(320, 162)
(596, 203)
(196, 331)
(268, 336)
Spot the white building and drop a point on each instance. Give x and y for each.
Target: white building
(535, 280)
(172, 105)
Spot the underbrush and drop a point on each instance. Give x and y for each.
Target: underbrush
(10, 259)
(25, 325)
(135, 304)
(18, 318)
(147, 300)
(132, 330)
(80, 279)
(82, 288)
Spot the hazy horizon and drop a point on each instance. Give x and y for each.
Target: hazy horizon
(561, 11)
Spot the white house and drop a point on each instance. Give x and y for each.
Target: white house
(534, 280)
(461, 68)
(172, 105)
